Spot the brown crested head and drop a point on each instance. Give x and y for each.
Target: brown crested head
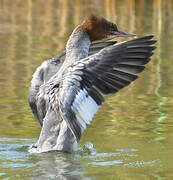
(99, 28)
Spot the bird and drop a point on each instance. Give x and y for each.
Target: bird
(68, 90)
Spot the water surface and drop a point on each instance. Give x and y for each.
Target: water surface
(132, 134)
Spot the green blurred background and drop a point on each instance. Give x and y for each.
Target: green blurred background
(133, 131)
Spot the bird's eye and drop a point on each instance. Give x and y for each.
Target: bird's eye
(114, 27)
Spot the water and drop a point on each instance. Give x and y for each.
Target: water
(131, 136)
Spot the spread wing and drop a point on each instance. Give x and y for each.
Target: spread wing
(88, 80)
(45, 71)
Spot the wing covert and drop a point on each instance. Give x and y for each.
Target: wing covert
(86, 81)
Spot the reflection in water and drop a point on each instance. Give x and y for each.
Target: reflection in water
(65, 166)
(57, 166)
(14, 156)
(161, 100)
(124, 129)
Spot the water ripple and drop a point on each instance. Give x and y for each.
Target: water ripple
(106, 163)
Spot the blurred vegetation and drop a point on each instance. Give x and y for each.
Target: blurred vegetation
(32, 31)
(139, 116)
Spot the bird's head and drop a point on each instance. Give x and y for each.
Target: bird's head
(99, 28)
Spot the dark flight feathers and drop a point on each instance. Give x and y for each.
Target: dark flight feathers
(103, 73)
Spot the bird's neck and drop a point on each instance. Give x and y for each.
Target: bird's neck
(77, 46)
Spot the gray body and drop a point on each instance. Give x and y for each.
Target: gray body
(65, 94)
(55, 134)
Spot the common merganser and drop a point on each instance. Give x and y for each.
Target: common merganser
(68, 90)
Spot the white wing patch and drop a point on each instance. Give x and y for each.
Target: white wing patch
(84, 108)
